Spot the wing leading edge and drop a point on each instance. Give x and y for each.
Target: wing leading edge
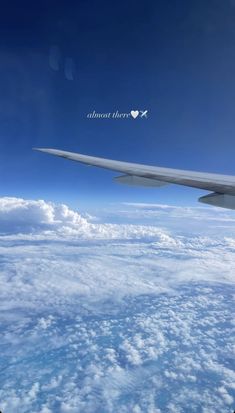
(222, 186)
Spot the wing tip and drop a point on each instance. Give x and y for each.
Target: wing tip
(40, 149)
(47, 150)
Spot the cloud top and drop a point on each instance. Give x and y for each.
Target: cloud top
(21, 215)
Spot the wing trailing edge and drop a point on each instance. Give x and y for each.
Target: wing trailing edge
(133, 180)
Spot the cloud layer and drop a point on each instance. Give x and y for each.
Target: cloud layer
(112, 317)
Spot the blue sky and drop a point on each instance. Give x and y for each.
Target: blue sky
(175, 59)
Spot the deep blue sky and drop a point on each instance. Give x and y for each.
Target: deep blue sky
(176, 59)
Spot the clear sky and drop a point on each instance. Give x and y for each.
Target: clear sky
(60, 61)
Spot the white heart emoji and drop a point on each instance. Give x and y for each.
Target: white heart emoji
(134, 113)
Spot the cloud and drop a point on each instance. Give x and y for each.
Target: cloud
(20, 215)
(151, 211)
(199, 221)
(60, 257)
(40, 219)
(158, 353)
(112, 317)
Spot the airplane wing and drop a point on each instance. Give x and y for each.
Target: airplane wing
(222, 186)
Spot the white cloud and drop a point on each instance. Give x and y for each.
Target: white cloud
(107, 317)
(18, 215)
(75, 258)
(177, 217)
(66, 367)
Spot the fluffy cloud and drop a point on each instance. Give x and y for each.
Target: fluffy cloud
(39, 219)
(49, 220)
(96, 262)
(106, 317)
(20, 215)
(156, 354)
